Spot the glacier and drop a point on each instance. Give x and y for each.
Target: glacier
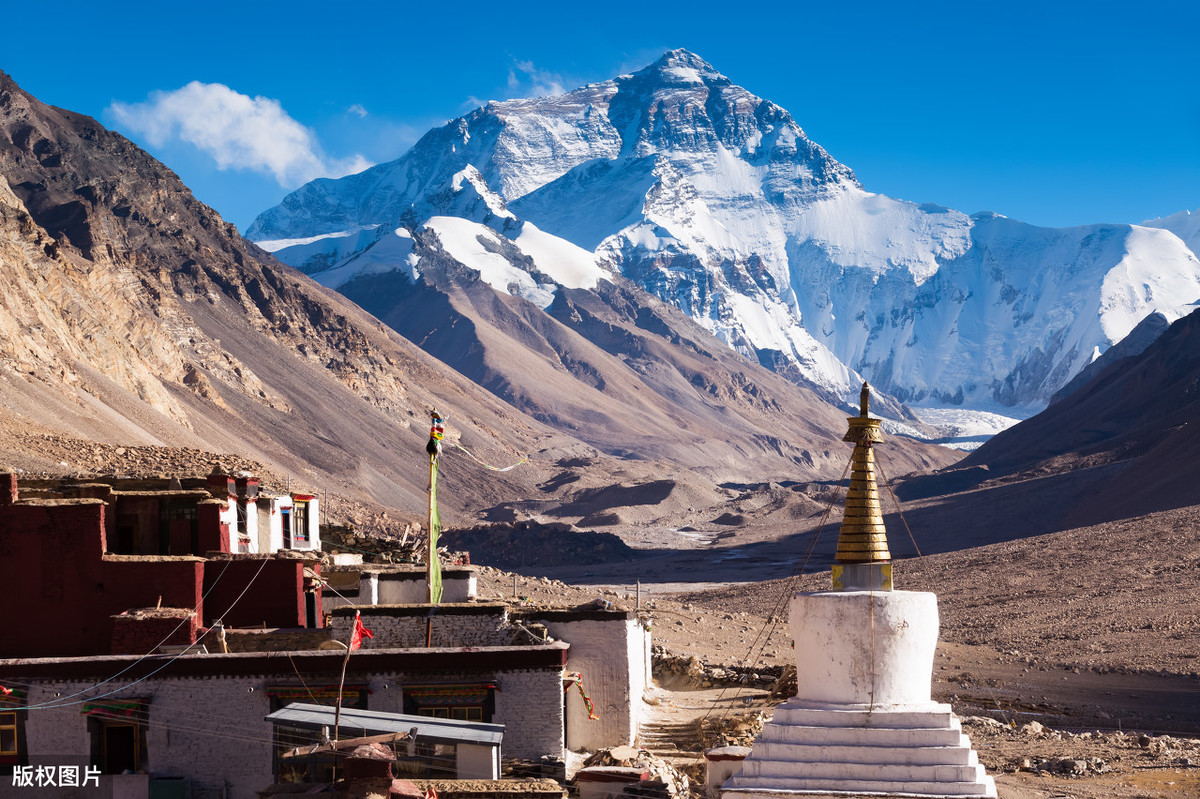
(715, 200)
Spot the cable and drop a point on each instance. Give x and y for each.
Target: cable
(183, 621)
(888, 485)
(169, 661)
(789, 583)
(278, 736)
(524, 459)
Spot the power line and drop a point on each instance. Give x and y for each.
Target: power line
(182, 621)
(169, 661)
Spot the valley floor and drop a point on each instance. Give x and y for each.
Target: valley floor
(1088, 630)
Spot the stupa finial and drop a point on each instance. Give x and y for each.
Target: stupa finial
(863, 561)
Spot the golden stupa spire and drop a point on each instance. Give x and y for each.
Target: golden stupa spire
(863, 561)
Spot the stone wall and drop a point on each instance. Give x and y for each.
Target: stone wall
(271, 640)
(141, 631)
(532, 728)
(208, 723)
(454, 625)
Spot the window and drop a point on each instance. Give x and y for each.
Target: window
(458, 713)
(178, 527)
(470, 702)
(119, 750)
(118, 733)
(285, 515)
(8, 735)
(300, 523)
(12, 731)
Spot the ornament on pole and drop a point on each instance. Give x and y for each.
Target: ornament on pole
(863, 561)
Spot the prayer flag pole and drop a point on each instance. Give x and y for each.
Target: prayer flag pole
(433, 573)
(356, 637)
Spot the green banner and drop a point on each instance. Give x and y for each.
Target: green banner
(435, 530)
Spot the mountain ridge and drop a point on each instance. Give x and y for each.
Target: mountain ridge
(715, 201)
(131, 314)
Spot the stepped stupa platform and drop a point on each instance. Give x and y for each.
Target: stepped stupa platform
(862, 722)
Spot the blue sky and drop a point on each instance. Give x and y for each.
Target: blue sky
(1054, 113)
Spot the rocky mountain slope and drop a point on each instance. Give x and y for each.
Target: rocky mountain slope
(715, 201)
(1139, 415)
(1114, 448)
(132, 314)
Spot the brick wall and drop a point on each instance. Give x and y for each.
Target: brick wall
(214, 731)
(272, 640)
(529, 704)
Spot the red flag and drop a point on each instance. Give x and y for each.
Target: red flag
(359, 631)
(5, 691)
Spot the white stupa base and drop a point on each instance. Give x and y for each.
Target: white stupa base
(863, 723)
(854, 750)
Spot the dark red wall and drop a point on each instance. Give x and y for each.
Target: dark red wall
(139, 636)
(60, 591)
(275, 597)
(214, 534)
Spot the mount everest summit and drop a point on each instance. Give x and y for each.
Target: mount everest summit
(715, 201)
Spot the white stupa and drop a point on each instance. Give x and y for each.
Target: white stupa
(862, 721)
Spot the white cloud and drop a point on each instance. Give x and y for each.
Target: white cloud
(358, 109)
(237, 131)
(525, 79)
(541, 82)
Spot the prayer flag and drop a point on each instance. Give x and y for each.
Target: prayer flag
(434, 577)
(359, 631)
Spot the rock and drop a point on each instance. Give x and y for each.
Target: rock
(1033, 728)
(984, 721)
(623, 752)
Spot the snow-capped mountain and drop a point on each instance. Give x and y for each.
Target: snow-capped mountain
(714, 200)
(1185, 225)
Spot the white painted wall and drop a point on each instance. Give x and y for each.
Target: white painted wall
(382, 587)
(612, 658)
(250, 510)
(406, 588)
(190, 724)
(314, 524)
(213, 729)
(263, 524)
(368, 594)
(865, 647)
(475, 762)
